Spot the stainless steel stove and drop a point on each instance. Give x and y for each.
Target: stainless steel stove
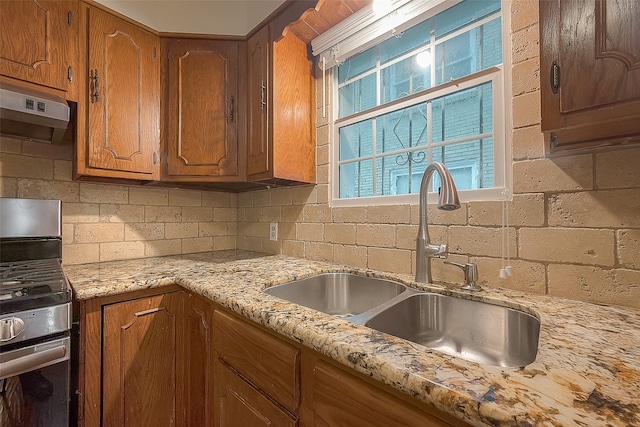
(35, 315)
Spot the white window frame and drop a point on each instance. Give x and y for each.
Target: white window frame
(502, 128)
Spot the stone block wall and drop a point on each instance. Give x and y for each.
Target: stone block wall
(104, 222)
(574, 220)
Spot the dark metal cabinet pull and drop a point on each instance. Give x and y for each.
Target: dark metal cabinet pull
(232, 108)
(263, 88)
(93, 75)
(554, 77)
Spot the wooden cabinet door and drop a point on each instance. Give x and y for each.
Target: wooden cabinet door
(268, 362)
(124, 97)
(37, 41)
(590, 72)
(202, 115)
(294, 110)
(199, 357)
(281, 143)
(239, 403)
(259, 151)
(337, 398)
(142, 361)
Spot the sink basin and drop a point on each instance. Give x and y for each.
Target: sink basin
(339, 294)
(473, 330)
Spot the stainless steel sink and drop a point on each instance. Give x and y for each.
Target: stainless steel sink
(473, 330)
(340, 294)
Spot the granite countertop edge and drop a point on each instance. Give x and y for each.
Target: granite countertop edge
(587, 371)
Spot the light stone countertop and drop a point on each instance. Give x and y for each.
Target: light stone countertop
(587, 372)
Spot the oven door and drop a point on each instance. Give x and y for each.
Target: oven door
(34, 384)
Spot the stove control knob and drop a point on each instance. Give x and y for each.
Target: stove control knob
(10, 328)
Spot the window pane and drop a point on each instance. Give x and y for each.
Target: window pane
(454, 58)
(356, 140)
(400, 174)
(356, 179)
(408, 76)
(357, 65)
(412, 38)
(465, 113)
(469, 52)
(462, 14)
(489, 41)
(357, 96)
(470, 164)
(402, 129)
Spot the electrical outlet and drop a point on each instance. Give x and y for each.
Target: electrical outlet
(273, 231)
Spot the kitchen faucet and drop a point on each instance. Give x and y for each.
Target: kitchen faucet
(448, 201)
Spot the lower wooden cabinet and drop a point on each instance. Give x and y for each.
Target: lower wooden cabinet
(334, 397)
(145, 360)
(166, 357)
(199, 361)
(265, 360)
(141, 361)
(240, 403)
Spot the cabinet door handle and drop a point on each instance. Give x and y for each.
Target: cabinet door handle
(93, 75)
(554, 77)
(155, 158)
(263, 88)
(70, 74)
(232, 107)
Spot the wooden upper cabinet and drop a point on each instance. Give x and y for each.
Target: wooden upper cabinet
(123, 137)
(201, 109)
(38, 41)
(281, 109)
(590, 72)
(258, 149)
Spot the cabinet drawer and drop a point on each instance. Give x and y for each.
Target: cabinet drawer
(269, 363)
(340, 399)
(241, 404)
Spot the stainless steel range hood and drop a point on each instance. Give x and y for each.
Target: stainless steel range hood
(29, 113)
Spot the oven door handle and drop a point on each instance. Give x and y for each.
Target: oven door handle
(32, 358)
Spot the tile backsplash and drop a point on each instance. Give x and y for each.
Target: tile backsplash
(102, 222)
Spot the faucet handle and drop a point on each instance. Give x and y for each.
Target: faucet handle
(438, 251)
(470, 275)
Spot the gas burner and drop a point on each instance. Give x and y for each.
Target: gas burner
(32, 284)
(32, 272)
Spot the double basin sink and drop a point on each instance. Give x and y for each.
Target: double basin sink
(472, 330)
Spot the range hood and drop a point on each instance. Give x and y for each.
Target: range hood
(39, 115)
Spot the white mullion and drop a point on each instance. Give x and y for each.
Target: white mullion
(500, 160)
(432, 39)
(357, 77)
(374, 125)
(463, 139)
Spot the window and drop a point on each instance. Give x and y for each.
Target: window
(433, 92)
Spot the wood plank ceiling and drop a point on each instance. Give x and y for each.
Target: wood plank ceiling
(325, 15)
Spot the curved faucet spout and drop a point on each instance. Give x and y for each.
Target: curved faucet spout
(447, 200)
